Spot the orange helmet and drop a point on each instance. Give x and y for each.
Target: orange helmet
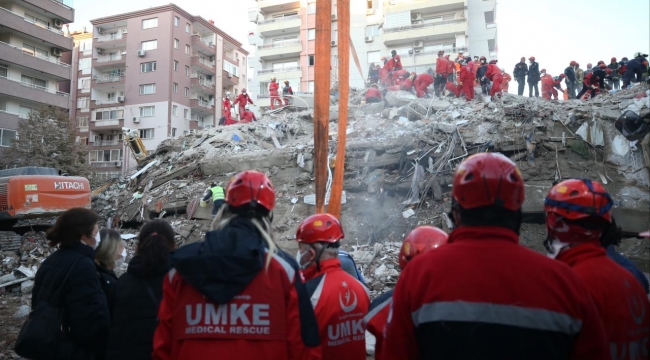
(250, 188)
(420, 240)
(320, 228)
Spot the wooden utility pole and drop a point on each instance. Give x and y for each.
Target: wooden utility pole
(322, 98)
(343, 23)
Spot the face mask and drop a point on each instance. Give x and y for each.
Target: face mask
(120, 261)
(98, 239)
(554, 247)
(299, 256)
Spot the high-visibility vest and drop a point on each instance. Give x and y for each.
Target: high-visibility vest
(217, 193)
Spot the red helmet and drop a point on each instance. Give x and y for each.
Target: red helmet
(562, 76)
(441, 52)
(608, 71)
(488, 179)
(420, 240)
(532, 58)
(602, 66)
(250, 188)
(320, 228)
(482, 58)
(573, 63)
(243, 90)
(493, 61)
(601, 63)
(613, 59)
(543, 71)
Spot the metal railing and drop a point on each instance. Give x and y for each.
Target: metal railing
(106, 143)
(37, 87)
(108, 78)
(420, 26)
(108, 58)
(110, 37)
(230, 58)
(279, 19)
(203, 81)
(450, 51)
(279, 45)
(205, 62)
(117, 163)
(273, 71)
(53, 60)
(203, 103)
(43, 26)
(110, 122)
(106, 101)
(206, 43)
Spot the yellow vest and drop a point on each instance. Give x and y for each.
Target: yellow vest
(217, 193)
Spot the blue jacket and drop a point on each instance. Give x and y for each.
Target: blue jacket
(629, 266)
(634, 67)
(349, 266)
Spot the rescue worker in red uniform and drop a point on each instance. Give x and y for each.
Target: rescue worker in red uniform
(227, 106)
(441, 74)
(275, 95)
(422, 82)
(494, 74)
(373, 95)
(505, 84)
(236, 295)
(407, 84)
(548, 85)
(248, 116)
(502, 300)
(578, 216)
(467, 81)
(453, 89)
(340, 301)
(384, 73)
(594, 81)
(419, 240)
(399, 76)
(451, 68)
(241, 100)
(287, 92)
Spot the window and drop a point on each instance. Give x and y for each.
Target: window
(175, 88)
(311, 34)
(34, 51)
(84, 64)
(491, 44)
(187, 28)
(109, 114)
(147, 111)
(148, 67)
(7, 137)
(149, 23)
(175, 65)
(285, 66)
(374, 57)
(311, 8)
(174, 110)
(173, 132)
(24, 112)
(187, 92)
(186, 114)
(231, 68)
(83, 102)
(310, 87)
(312, 60)
(147, 89)
(84, 84)
(82, 121)
(187, 49)
(3, 71)
(146, 133)
(36, 21)
(176, 21)
(176, 44)
(149, 45)
(35, 82)
(369, 5)
(372, 30)
(187, 71)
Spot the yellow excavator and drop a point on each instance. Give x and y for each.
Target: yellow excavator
(133, 141)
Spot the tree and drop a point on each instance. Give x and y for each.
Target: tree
(47, 138)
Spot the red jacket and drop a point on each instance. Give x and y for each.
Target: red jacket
(377, 318)
(501, 301)
(226, 105)
(220, 301)
(273, 88)
(466, 74)
(442, 66)
(506, 82)
(248, 116)
(492, 71)
(547, 81)
(422, 81)
(340, 303)
(471, 66)
(621, 300)
(241, 100)
(407, 84)
(451, 66)
(373, 92)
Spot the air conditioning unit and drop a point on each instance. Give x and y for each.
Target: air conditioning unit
(124, 31)
(99, 30)
(57, 23)
(370, 12)
(56, 51)
(333, 43)
(100, 51)
(141, 53)
(120, 99)
(416, 17)
(368, 38)
(333, 17)
(418, 44)
(136, 120)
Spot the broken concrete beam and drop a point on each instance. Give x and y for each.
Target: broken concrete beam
(244, 161)
(172, 207)
(399, 98)
(203, 213)
(175, 174)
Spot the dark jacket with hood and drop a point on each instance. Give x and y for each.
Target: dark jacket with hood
(107, 280)
(85, 310)
(221, 297)
(520, 71)
(533, 72)
(570, 73)
(135, 315)
(636, 68)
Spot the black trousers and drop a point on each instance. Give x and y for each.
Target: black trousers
(521, 81)
(371, 100)
(533, 85)
(584, 90)
(217, 204)
(439, 84)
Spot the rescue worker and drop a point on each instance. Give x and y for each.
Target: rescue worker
(373, 95)
(399, 76)
(484, 308)
(237, 294)
(451, 68)
(471, 65)
(570, 79)
(635, 67)
(227, 105)
(614, 238)
(467, 77)
(287, 92)
(407, 84)
(339, 300)
(373, 74)
(273, 91)
(580, 76)
(505, 84)
(418, 241)
(613, 79)
(480, 76)
(623, 64)
(216, 193)
(422, 82)
(520, 72)
(453, 89)
(248, 116)
(241, 100)
(547, 85)
(441, 74)
(397, 61)
(533, 77)
(594, 81)
(494, 74)
(578, 215)
(385, 73)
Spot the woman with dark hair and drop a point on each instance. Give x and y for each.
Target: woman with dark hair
(109, 255)
(72, 270)
(139, 292)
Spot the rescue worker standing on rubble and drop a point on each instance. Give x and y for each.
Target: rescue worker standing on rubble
(418, 241)
(385, 73)
(480, 75)
(216, 193)
(505, 84)
(227, 106)
(441, 74)
(580, 76)
(241, 100)
(547, 85)
(236, 294)
(520, 72)
(533, 77)
(578, 215)
(339, 300)
(467, 77)
(570, 79)
(614, 79)
(422, 82)
(451, 67)
(635, 67)
(275, 96)
(494, 74)
(287, 92)
(513, 302)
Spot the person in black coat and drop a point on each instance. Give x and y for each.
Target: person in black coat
(85, 309)
(109, 255)
(520, 72)
(533, 77)
(139, 292)
(635, 67)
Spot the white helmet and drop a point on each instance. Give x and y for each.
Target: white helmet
(502, 70)
(247, 107)
(228, 93)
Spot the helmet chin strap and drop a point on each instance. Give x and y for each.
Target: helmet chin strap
(319, 253)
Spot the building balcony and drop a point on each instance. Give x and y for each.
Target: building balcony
(230, 58)
(9, 120)
(47, 64)
(106, 61)
(51, 35)
(108, 80)
(265, 75)
(104, 143)
(105, 103)
(199, 63)
(281, 50)
(111, 40)
(277, 26)
(270, 6)
(202, 85)
(428, 57)
(423, 6)
(61, 9)
(263, 101)
(205, 47)
(202, 107)
(229, 79)
(106, 164)
(16, 88)
(434, 31)
(100, 125)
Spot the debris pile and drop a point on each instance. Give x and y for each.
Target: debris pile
(20, 257)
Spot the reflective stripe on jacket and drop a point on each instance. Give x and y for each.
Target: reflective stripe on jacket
(217, 193)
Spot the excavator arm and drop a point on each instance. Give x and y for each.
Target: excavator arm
(133, 141)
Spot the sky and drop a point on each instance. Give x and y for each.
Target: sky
(554, 31)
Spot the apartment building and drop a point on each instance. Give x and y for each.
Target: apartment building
(33, 70)
(161, 71)
(285, 34)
